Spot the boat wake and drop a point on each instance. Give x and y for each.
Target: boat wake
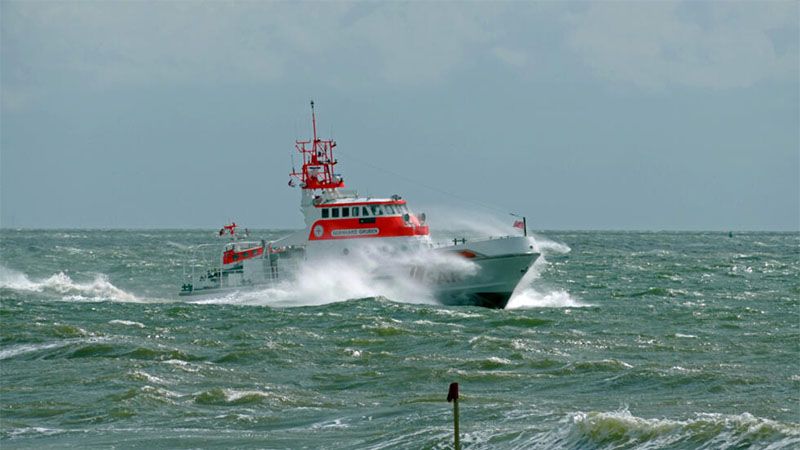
(99, 289)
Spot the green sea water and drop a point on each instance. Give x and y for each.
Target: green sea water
(617, 340)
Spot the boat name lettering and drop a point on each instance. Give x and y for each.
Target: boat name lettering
(355, 232)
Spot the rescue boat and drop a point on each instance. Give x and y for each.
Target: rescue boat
(340, 224)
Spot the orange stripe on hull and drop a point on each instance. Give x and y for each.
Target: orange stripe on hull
(365, 227)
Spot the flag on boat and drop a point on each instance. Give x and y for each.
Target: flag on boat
(519, 224)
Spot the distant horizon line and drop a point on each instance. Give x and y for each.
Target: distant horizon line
(642, 230)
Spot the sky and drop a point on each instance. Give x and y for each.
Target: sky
(599, 115)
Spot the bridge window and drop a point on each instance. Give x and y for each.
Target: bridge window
(324, 213)
(365, 211)
(355, 211)
(345, 212)
(334, 212)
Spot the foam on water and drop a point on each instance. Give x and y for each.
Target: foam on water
(15, 350)
(126, 322)
(25, 349)
(98, 289)
(621, 429)
(529, 295)
(531, 298)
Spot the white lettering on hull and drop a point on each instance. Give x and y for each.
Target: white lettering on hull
(355, 232)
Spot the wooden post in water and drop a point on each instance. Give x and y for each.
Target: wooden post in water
(452, 396)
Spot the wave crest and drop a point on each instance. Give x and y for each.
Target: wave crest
(98, 289)
(621, 429)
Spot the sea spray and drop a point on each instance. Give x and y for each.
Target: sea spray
(368, 271)
(474, 223)
(529, 294)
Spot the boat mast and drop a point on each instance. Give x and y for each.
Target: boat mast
(318, 162)
(314, 121)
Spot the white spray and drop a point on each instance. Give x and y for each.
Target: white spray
(370, 271)
(528, 295)
(97, 290)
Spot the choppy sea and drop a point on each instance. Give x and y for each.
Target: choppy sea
(617, 340)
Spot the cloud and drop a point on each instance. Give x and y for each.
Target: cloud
(347, 45)
(131, 42)
(710, 45)
(211, 42)
(423, 43)
(515, 58)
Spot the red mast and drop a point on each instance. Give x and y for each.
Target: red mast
(318, 162)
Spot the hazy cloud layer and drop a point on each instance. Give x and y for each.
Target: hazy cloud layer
(213, 42)
(714, 44)
(590, 115)
(702, 44)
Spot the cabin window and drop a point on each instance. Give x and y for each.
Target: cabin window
(334, 212)
(392, 209)
(324, 213)
(365, 211)
(345, 212)
(374, 209)
(355, 211)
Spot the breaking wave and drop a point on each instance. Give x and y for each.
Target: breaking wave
(99, 289)
(622, 430)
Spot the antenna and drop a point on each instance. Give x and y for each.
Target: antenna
(314, 120)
